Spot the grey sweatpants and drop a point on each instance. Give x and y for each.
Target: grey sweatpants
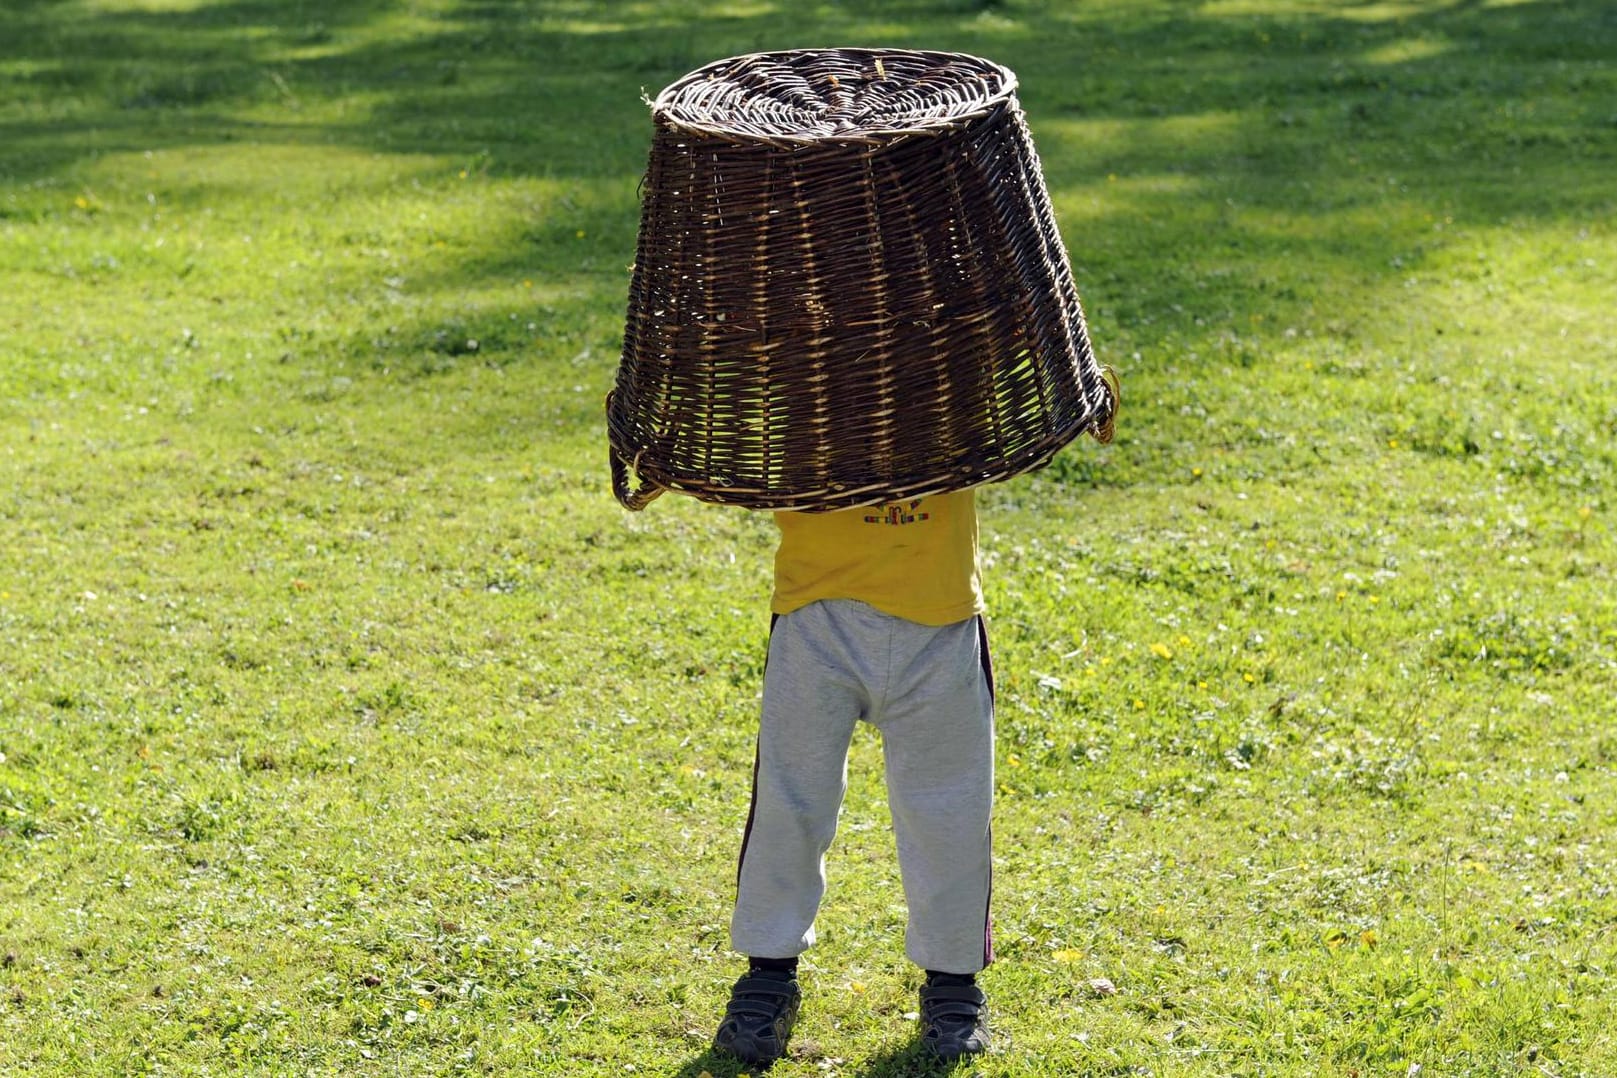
(929, 691)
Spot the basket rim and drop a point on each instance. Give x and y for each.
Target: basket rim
(652, 481)
(664, 105)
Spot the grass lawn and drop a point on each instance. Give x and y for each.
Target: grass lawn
(348, 725)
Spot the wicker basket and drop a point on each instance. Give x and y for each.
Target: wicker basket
(848, 288)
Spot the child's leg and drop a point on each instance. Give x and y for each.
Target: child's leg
(810, 707)
(938, 739)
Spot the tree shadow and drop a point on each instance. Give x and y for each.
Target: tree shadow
(1245, 158)
(553, 87)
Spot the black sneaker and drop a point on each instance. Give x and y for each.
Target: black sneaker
(759, 1018)
(954, 1020)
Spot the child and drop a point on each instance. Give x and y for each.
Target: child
(877, 617)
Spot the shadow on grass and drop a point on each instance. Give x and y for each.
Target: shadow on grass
(912, 1060)
(907, 1061)
(1212, 171)
(552, 88)
(1476, 109)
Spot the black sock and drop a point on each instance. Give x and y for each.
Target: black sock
(781, 969)
(937, 978)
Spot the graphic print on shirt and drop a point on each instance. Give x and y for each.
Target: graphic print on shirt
(898, 513)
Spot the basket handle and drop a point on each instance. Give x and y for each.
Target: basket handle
(1104, 432)
(631, 499)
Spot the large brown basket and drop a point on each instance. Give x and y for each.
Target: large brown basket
(848, 288)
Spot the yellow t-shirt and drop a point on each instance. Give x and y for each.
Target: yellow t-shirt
(914, 559)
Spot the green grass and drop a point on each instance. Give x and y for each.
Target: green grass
(348, 726)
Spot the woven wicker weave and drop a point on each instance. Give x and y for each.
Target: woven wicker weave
(848, 288)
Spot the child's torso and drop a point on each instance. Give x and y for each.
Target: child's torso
(913, 559)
